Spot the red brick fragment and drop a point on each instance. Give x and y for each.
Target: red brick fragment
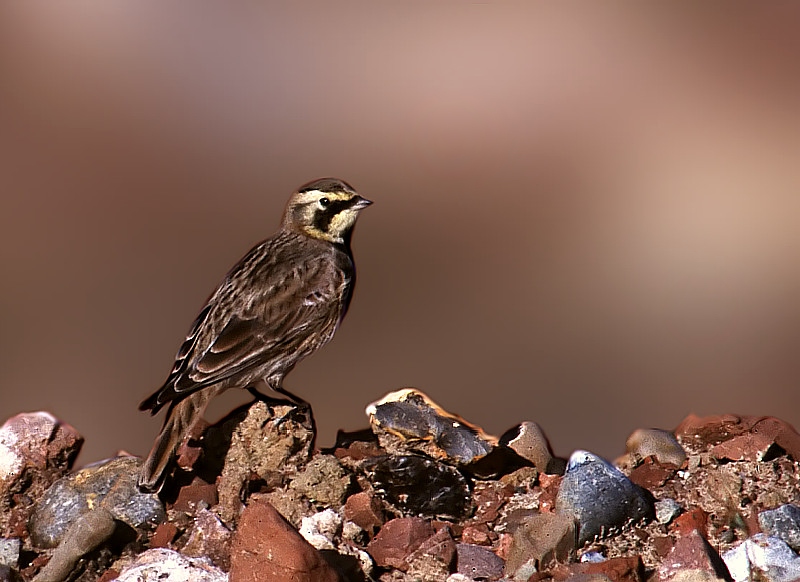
(267, 547)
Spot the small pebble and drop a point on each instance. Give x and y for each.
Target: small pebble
(654, 442)
(667, 510)
(782, 522)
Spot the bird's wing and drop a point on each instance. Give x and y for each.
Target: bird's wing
(273, 315)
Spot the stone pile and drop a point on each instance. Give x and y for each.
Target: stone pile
(421, 495)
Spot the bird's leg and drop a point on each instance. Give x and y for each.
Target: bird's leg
(300, 405)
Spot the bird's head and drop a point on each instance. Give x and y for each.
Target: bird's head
(324, 209)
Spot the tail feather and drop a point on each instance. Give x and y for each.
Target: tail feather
(181, 417)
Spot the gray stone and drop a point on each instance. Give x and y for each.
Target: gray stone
(783, 523)
(761, 557)
(478, 562)
(110, 485)
(600, 497)
(408, 421)
(9, 551)
(667, 510)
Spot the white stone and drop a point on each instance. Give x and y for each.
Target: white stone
(322, 529)
(160, 564)
(768, 557)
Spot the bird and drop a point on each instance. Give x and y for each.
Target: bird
(280, 303)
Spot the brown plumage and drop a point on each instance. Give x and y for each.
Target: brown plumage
(282, 301)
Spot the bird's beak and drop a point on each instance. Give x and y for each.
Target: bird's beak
(360, 202)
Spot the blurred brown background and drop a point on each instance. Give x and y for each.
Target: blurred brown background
(584, 217)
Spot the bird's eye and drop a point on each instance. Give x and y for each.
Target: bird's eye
(324, 202)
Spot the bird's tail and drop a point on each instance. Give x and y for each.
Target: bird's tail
(181, 417)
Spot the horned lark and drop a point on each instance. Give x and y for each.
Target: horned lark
(282, 301)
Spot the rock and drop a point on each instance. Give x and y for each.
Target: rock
(8, 574)
(407, 422)
(267, 547)
(689, 575)
(195, 495)
(365, 511)
(550, 485)
(476, 535)
(419, 485)
(762, 557)
(754, 438)
(529, 441)
(263, 446)
(86, 533)
(160, 564)
(489, 499)
(323, 481)
(9, 552)
(657, 443)
(600, 497)
(325, 531)
(539, 542)
(696, 519)
(351, 447)
(651, 475)
(164, 535)
(782, 522)
(36, 449)
(434, 558)
(322, 530)
(110, 485)
(210, 538)
(477, 562)
(622, 569)
(290, 504)
(667, 510)
(691, 552)
(397, 539)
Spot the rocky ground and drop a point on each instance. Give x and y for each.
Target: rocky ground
(421, 495)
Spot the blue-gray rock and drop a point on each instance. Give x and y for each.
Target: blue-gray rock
(600, 497)
(783, 523)
(478, 562)
(111, 485)
(763, 557)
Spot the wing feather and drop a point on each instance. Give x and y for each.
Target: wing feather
(264, 314)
